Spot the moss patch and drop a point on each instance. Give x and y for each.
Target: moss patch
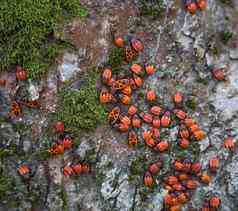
(152, 8)
(7, 185)
(225, 37)
(115, 59)
(80, 109)
(27, 29)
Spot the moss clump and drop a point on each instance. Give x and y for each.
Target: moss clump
(191, 103)
(27, 29)
(7, 185)
(152, 8)
(225, 37)
(136, 167)
(115, 59)
(80, 109)
(228, 2)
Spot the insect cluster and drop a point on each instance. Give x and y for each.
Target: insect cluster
(126, 117)
(193, 5)
(65, 142)
(17, 104)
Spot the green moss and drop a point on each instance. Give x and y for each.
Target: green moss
(152, 8)
(226, 36)
(80, 109)
(116, 59)
(191, 103)
(7, 185)
(27, 29)
(228, 2)
(136, 167)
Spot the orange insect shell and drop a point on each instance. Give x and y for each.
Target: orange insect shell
(206, 209)
(156, 123)
(132, 110)
(150, 142)
(199, 135)
(175, 208)
(182, 198)
(2, 82)
(155, 132)
(106, 75)
(178, 187)
(193, 128)
(125, 120)
(148, 118)
(191, 184)
(121, 127)
(136, 122)
(183, 177)
(59, 126)
(114, 114)
(189, 121)
(165, 119)
(214, 164)
(229, 143)
(85, 168)
(178, 166)
(23, 170)
(21, 74)
(138, 80)
(184, 143)
(215, 202)
(205, 178)
(130, 53)
(146, 134)
(119, 42)
(183, 132)
(150, 69)
(127, 90)
(162, 146)
(154, 168)
(137, 45)
(178, 98)
(148, 180)
(77, 168)
(202, 4)
(67, 142)
(168, 199)
(192, 8)
(151, 96)
(171, 180)
(180, 114)
(132, 138)
(155, 110)
(137, 69)
(125, 99)
(219, 74)
(105, 96)
(196, 167)
(68, 171)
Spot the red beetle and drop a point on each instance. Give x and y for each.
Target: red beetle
(180, 114)
(162, 146)
(156, 123)
(148, 118)
(215, 202)
(191, 184)
(137, 69)
(119, 42)
(155, 133)
(184, 143)
(68, 171)
(229, 143)
(150, 142)
(59, 127)
(106, 75)
(77, 168)
(155, 110)
(137, 45)
(24, 171)
(219, 74)
(2, 82)
(148, 180)
(136, 122)
(132, 138)
(154, 168)
(183, 132)
(171, 180)
(196, 167)
(132, 110)
(178, 98)
(151, 96)
(67, 142)
(214, 164)
(21, 74)
(165, 119)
